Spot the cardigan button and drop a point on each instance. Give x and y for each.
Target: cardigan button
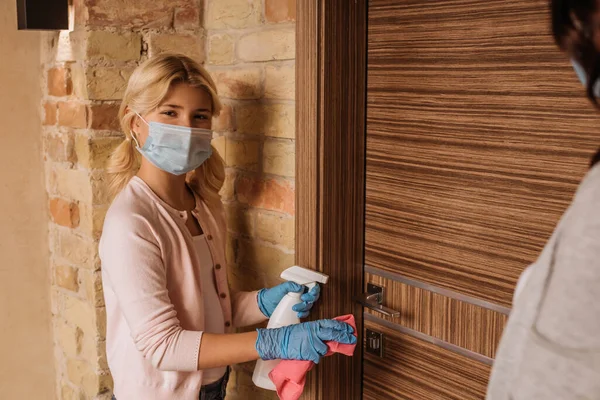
(209, 237)
(227, 324)
(218, 267)
(223, 295)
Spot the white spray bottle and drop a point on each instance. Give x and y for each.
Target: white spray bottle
(283, 316)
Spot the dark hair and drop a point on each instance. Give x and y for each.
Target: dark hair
(574, 31)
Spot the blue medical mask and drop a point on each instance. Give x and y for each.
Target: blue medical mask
(582, 75)
(175, 149)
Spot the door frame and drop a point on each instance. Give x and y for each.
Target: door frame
(331, 55)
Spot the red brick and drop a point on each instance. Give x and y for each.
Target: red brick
(59, 82)
(280, 10)
(50, 113)
(271, 194)
(64, 213)
(139, 13)
(187, 17)
(80, 17)
(104, 116)
(72, 115)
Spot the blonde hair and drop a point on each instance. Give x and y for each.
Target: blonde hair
(147, 87)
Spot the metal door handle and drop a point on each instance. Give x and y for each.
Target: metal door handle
(373, 299)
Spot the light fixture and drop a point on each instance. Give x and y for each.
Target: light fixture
(43, 14)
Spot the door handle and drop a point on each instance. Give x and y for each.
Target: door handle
(373, 299)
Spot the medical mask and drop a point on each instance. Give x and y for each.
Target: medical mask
(175, 149)
(582, 75)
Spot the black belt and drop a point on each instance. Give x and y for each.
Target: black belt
(215, 390)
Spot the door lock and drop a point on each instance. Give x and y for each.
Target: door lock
(374, 343)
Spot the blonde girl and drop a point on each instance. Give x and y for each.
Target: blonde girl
(170, 313)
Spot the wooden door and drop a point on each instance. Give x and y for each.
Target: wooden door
(478, 134)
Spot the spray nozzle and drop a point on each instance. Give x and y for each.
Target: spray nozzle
(304, 276)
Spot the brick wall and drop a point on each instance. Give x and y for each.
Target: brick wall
(250, 51)
(86, 71)
(249, 47)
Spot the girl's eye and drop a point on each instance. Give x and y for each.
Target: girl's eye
(201, 117)
(169, 113)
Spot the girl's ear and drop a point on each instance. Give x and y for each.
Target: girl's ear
(134, 123)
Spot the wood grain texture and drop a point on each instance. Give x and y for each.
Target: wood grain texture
(412, 369)
(330, 141)
(465, 325)
(307, 157)
(478, 134)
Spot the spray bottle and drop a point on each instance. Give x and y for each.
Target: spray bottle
(283, 316)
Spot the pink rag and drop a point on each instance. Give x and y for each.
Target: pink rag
(289, 376)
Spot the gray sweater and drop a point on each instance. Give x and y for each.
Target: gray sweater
(550, 348)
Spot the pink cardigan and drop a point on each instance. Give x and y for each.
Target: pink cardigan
(152, 289)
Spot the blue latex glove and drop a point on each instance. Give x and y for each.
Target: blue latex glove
(308, 299)
(302, 341)
(268, 299)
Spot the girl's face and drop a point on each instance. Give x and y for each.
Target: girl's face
(183, 105)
